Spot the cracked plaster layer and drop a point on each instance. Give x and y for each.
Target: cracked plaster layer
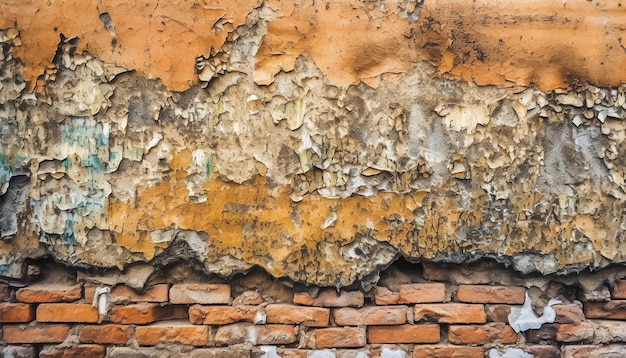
(326, 171)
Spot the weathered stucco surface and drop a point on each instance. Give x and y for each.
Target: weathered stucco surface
(318, 140)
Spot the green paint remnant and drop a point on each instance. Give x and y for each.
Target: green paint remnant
(208, 165)
(112, 156)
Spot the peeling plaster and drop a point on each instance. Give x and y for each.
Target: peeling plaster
(281, 160)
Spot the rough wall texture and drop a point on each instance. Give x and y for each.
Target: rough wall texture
(415, 310)
(318, 140)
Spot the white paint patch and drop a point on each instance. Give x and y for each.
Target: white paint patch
(524, 318)
(260, 318)
(100, 299)
(154, 141)
(322, 354)
(391, 353)
(330, 220)
(270, 352)
(510, 353)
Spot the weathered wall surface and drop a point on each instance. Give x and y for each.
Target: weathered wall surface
(319, 141)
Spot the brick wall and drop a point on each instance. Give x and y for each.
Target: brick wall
(413, 311)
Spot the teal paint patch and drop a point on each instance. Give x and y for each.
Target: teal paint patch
(67, 162)
(68, 237)
(6, 270)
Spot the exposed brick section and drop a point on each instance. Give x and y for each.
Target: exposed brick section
(491, 294)
(346, 337)
(450, 313)
(82, 351)
(104, 334)
(67, 312)
(472, 334)
(606, 331)
(49, 293)
(16, 312)
(35, 333)
(543, 351)
(330, 298)
(568, 313)
(545, 334)
(292, 314)
(424, 333)
(248, 298)
(584, 351)
(156, 293)
(619, 289)
(142, 313)
(5, 292)
(608, 310)
(264, 334)
(422, 293)
(441, 351)
(582, 333)
(172, 332)
(275, 334)
(384, 296)
(381, 315)
(497, 313)
(225, 314)
(207, 294)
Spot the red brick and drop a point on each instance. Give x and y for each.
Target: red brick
(545, 334)
(425, 333)
(220, 315)
(384, 296)
(609, 310)
(49, 293)
(82, 351)
(344, 337)
(450, 313)
(498, 313)
(16, 312)
(104, 334)
(142, 313)
(582, 332)
(473, 334)
(67, 312)
(619, 289)
(330, 298)
(207, 294)
(568, 313)
(422, 293)
(292, 314)
(491, 294)
(543, 351)
(35, 333)
(261, 334)
(441, 351)
(369, 316)
(180, 332)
